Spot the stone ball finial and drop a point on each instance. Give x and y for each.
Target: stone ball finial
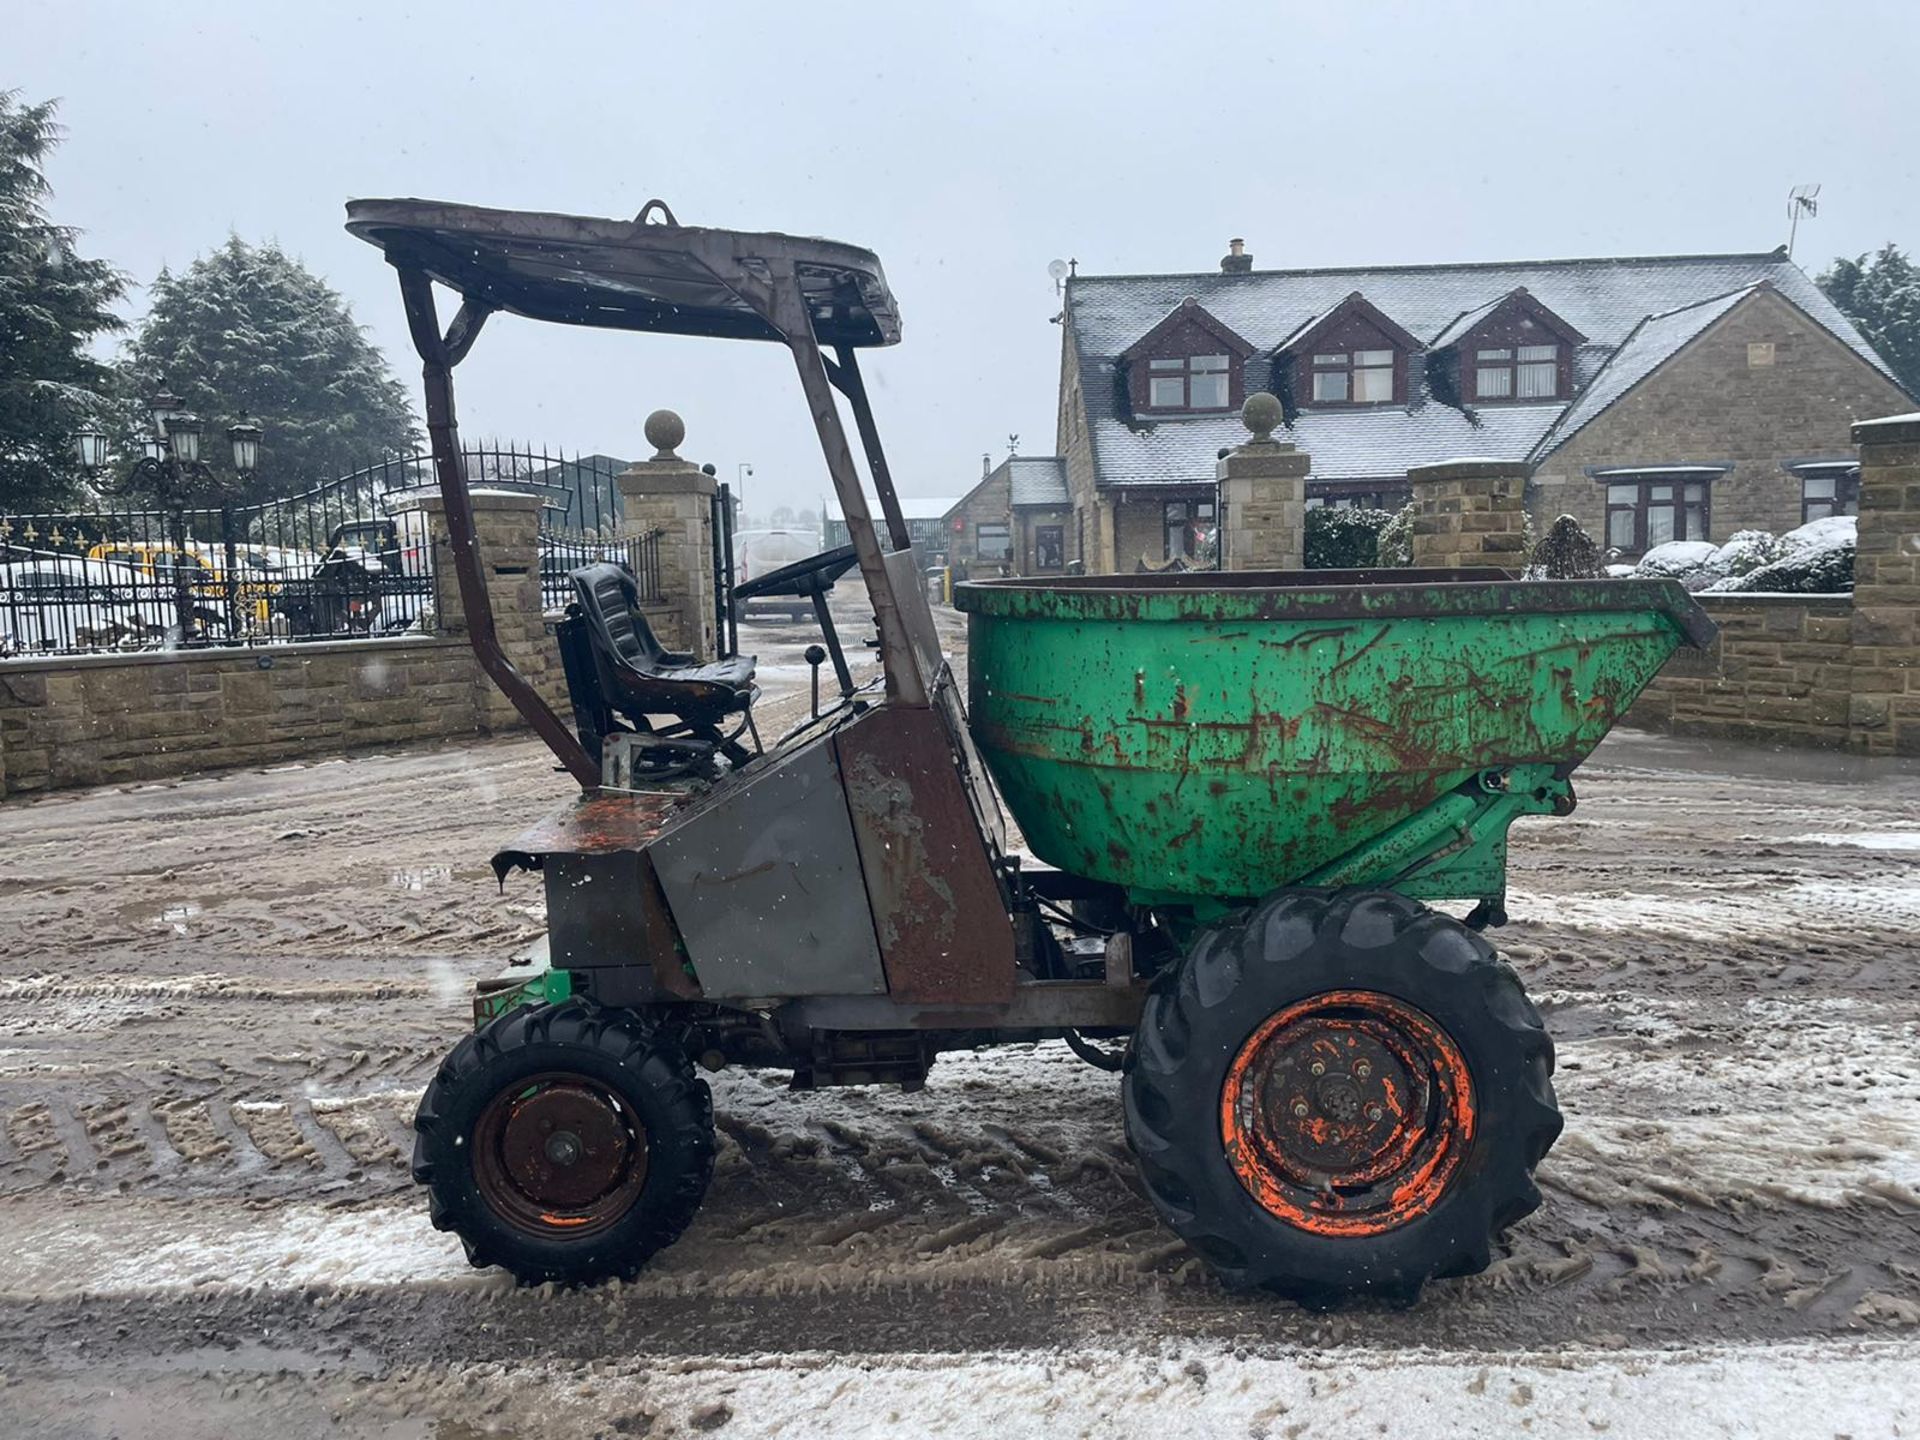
(665, 430)
(1260, 414)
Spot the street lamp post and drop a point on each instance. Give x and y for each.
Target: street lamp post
(741, 471)
(172, 472)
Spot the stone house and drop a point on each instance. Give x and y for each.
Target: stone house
(1661, 398)
(1014, 522)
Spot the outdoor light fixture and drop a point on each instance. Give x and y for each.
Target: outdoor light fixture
(183, 437)
(90, 444)
(165, 407)
(171, 475)
(245, 440)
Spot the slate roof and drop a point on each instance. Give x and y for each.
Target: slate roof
(1037, 479)
(1656, 302)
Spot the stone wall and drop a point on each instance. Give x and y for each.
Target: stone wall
(1886, 588)
(1137, 529)
(1780, 672)
(1841, 671)
(1027, 522)
(1469, 513)
(105, 719)
(1090, 530)
(990, 502)
(507, 529)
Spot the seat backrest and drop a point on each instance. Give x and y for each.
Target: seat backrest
(607, 596)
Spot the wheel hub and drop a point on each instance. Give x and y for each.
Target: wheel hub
(1347, 1113)
(560, 1152)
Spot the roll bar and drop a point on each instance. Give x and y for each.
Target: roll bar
(638, 276)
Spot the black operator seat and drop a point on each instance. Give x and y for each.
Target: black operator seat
(638, 677)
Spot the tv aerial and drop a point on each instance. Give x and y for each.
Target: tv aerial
(1057, 272)
(1802, 199)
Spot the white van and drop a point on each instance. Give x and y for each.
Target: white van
(756, 552)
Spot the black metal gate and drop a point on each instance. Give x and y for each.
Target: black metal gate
(726, 622)
(345, 560)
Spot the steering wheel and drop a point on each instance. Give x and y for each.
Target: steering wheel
(814, 575)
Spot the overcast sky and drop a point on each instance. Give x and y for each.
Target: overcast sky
(968, 144)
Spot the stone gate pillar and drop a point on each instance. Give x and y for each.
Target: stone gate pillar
(1263, 495)
(675, 497)
(1470, 513)
(1884, 714)
(506, 530)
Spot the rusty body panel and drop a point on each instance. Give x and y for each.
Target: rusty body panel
(605, 914)
(596, 824)
(938, 911)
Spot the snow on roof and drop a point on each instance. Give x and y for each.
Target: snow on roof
(1037, 479)
(1608, 300)
(1342, 444)
(1662, 470)
(1463, 322)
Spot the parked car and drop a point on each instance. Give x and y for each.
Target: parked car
(67, 602)
(755, 552)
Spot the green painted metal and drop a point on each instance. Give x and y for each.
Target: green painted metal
(1207, 739)
(548, 987)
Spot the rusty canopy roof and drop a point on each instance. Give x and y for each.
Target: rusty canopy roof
(629, 275)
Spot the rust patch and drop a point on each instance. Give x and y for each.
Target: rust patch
(1348, 1113)
(938, 914)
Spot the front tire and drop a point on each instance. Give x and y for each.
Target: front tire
(1340, 1094)
(565, 1142)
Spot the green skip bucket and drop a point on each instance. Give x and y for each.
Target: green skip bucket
(1210, 737)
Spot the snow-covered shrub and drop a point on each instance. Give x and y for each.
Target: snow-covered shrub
(1344, 539)
(1676, 559)
(1818, 560)
(1702, 565)
(1396, 538)
(1746, 551)
(1567, 553)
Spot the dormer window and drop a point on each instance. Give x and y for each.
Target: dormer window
(1188, 364)
(1512, 349)
(1357, 377)
(1351, 355)
(1198, 382)
(1524, 372)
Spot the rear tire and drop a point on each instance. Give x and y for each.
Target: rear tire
(1340, 1094)
(565, 1142)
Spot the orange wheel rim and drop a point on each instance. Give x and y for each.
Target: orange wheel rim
(1348, 1113)
(559, 1153)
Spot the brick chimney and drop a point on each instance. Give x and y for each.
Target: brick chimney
(1236, 261)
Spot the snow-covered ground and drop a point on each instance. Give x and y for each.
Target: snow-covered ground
(205, 1088)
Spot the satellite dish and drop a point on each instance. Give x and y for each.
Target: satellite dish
(1057, 271)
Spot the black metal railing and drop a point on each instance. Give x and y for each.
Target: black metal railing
(344, 560)
(560, 557)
